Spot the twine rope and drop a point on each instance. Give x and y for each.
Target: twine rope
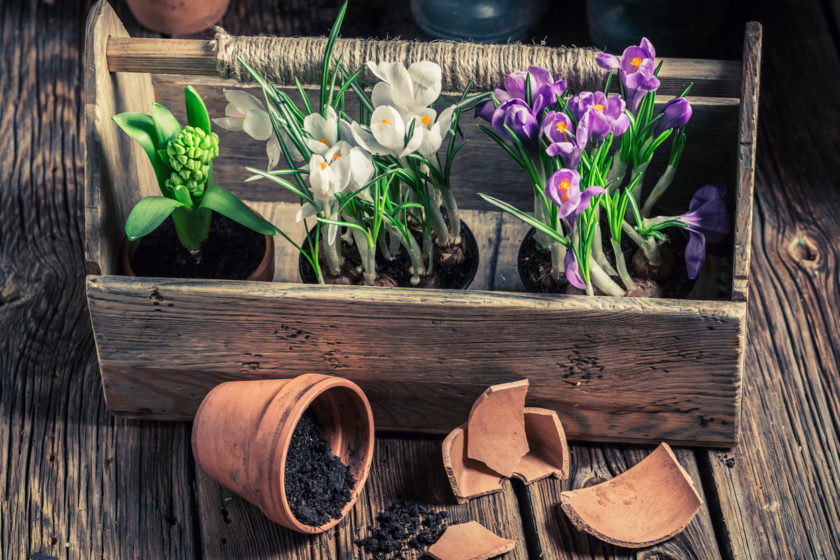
(281, 59)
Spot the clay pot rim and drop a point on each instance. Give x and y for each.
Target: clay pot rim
(264, 271)
(327, 383)
(466, 233)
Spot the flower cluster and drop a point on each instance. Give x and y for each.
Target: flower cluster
(577, 148)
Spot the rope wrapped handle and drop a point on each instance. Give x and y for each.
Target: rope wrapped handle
(281, 59)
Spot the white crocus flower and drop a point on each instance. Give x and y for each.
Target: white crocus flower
(342, 166)
(433, 131)
(409, 90)
(323, 131)
(245, 112)
(387, 134)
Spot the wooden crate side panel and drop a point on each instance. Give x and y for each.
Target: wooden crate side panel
(747, 127)
(614, 369)
(481, 166)
(117, 171)
(184, 57)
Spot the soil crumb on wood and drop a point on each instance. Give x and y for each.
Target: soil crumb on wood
(318, 484)
(402, 528)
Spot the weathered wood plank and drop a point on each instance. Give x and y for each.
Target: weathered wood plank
(74, 481)
(716, 78)
(559, 539)
(117, 171)
(403, 469)
(682, 386)
(779, 490)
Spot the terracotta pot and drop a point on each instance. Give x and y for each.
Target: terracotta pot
(264, 272)
(242, 432)
(178, 17)
(307, 275)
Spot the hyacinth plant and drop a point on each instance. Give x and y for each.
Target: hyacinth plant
(377, 179)
(182, 159)
(577, 149)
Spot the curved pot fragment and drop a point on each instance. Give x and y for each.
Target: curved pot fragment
(647, 504)
(496, 427)
(469, 541)
(548, 453)
(469, 479)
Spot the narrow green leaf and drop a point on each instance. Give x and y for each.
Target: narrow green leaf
(325, 63)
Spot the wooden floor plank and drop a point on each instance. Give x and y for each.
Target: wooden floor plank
(403, 469)
(779, 489)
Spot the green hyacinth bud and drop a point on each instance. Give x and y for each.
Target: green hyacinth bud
(190, 154)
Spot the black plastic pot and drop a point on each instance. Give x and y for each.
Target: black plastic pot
(524, 248)
(307, 274)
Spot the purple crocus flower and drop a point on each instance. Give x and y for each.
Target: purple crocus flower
(556, 128)
(607, 113)
(516, 115)
(635, 68)
(572, 270)
(675, 114)
(563, 188)
(706, 220)
(544, 91)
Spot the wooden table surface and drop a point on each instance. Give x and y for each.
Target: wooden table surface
(80, 483)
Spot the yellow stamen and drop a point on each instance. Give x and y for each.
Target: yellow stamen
(324, 141)
(561, 127)
(636, 62)
(564, 187)
(384, 121)
(599, 107)
(425, 120)
(336, 156)
(323, 165)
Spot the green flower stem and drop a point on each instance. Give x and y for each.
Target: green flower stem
(366, 252)
(454, 216)
(414, 253)
(438, 221)
(617, 171)
(622, 266)
(384, 247)
(192, 227)
(603, 281)
(540, 215)
(637, 192)
(428, 249)
(658, 190)
(334, 259)
(558, 256)
(649, 246)
(598, 249)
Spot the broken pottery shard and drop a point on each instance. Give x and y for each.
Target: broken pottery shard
(548, 453)
(469, 541)
(468, 478)
(649, 503)
(496, 427)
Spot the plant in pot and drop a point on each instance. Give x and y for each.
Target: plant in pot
(379, 191)
(178, 17)
(588, 219)
(195, 229)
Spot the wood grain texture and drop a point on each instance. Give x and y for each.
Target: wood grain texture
(74, 481)
(779, 490)
(558, 538)
(680, 387)
(402, 470)
(117, 170)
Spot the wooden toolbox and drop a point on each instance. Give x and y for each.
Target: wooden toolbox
(615, 369)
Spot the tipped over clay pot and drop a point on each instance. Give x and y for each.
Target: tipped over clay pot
(178, 17)
(242, 432)
(647, 504)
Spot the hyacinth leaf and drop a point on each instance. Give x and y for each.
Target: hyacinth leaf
(222, 201)
(166, 125)
(141, 127)
(197, 115)
(148, 214)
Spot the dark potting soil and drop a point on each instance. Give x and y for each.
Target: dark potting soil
(230, 252)
(318, 484)
(403, 527)
(535, 263)
(453, 266)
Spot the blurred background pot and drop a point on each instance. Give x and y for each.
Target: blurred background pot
(178, 17)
